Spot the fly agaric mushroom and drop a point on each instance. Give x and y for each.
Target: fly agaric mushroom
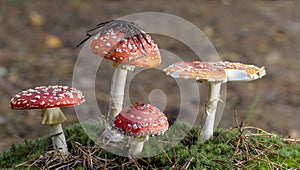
(49, 99)
(214, 73)
(138, 122)
(127, 46)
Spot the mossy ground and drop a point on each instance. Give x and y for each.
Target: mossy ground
(244, 147)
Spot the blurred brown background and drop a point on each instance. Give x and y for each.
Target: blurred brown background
(38, 40)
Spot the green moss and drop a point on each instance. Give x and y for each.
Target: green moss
(226, 149)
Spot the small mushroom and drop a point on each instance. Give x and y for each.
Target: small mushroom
(214, 73)
(49, 99)
(127, 46)
(138, 122)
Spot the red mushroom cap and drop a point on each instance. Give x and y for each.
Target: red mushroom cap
(47, 97)
(141, 120)
(111, 45)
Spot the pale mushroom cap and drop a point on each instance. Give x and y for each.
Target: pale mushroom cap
(241, 72)
(47, 97)
(111, 45)
(221, 71)
(141, 120)
(197, 71)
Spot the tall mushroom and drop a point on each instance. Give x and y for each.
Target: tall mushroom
(127, 46)
(49, 99)
(214, 73)
(138, 122)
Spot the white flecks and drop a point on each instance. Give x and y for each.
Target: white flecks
(132, 116)
(161, 122)
(28, 94)
(96, 46)
(129, 46)
(42, 102)
(108, 44)
(119, 50)
(37, 97)
(145, 124)
(32, 100)
(138, 118)
(134, 126)
(31, 90)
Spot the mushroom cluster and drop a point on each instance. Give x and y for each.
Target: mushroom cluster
(128, 46)
(214, 73)
(49, 99)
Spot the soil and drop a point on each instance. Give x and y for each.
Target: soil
(38, 47)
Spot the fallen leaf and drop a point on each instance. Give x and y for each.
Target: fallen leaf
(36, 19)
(53, 41)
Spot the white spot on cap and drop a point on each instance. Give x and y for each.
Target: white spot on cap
(119, 50)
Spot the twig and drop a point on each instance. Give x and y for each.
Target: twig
(187, 164)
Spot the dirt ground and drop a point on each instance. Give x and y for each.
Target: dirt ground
(38, 47)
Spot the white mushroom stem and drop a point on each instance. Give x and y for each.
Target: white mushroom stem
(117, 91)
(58, 138)
(136, 145)
(116, 101)
(210, 110)
(53, 117)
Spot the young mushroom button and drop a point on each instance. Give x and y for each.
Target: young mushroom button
(138, 121)
(49, 99)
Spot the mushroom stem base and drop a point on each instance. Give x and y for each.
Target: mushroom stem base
(210, 110)
(58, 138)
